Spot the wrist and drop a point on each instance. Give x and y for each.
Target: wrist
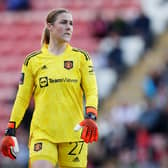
(91, 113)
(11, 130)
(90, 116)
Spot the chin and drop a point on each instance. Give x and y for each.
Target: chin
(67, 40)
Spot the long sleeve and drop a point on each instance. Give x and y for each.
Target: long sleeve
(89, 83)
(23, 96)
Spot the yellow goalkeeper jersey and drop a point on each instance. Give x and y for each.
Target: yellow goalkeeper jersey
(58, 85)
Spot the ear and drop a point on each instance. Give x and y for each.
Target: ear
(49, 26)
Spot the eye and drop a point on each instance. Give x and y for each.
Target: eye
(63, 22)
(66, 22)
(71, 23)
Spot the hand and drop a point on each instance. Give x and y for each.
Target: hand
(9, 144)
(90, 130)
(9, 147)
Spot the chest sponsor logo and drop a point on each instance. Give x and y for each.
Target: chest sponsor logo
(65, 80)
(68, 65)
(43, 81)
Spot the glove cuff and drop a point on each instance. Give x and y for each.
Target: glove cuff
(90, 116)
(91, 113)
(11, 131)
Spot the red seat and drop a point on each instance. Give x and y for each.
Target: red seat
(88, 44)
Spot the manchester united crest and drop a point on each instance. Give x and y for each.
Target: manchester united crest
(37, 147)
(68, 64)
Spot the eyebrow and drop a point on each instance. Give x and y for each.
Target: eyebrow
(66, 20)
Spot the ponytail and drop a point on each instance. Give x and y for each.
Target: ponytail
(45, 39)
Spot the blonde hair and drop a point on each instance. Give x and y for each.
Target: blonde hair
(51, 18)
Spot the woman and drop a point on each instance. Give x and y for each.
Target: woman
(58, 76)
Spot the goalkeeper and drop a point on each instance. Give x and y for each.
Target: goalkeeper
(58, 76)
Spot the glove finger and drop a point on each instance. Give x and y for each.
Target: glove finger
(12, 153)
(7, 142)
(9, 153)
(5, 151)
(84, 132)
(88, 135)
(92, 136)
(82, 123)
(8, 147)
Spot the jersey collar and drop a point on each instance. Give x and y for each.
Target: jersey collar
(44, 49)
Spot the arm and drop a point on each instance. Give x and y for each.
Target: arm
(89, 85)
(23, 96)
(9, 144)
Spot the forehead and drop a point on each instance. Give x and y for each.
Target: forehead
(64, 16)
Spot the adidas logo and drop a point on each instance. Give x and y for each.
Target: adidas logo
(76, 160)
(44, 67)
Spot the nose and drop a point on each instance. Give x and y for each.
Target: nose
(69, 29)
(68, 26)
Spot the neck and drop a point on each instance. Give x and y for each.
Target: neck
(56, 48)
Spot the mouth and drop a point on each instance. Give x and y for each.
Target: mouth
(69, 34)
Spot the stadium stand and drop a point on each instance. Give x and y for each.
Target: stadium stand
(152, 60)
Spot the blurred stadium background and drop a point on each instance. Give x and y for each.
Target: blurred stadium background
(127, 40)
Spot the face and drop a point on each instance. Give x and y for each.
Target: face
(62, 28)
